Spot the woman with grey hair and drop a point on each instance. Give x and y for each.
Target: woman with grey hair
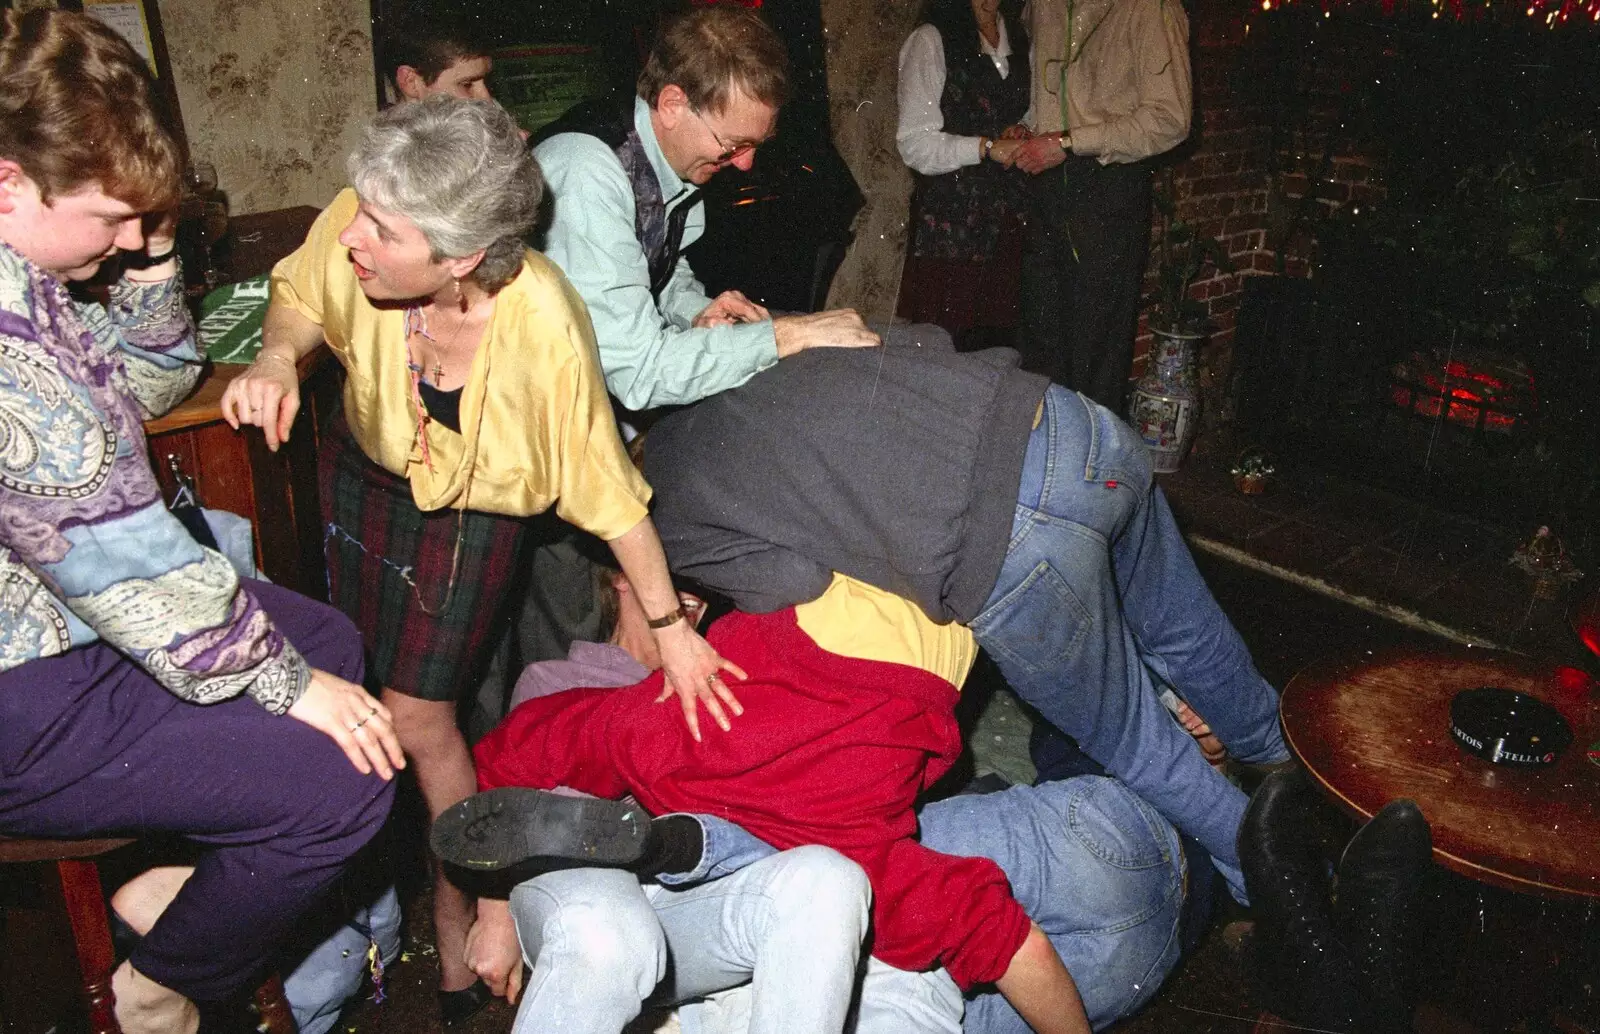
(473, 400)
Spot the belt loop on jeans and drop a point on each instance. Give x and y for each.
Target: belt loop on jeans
(1090, 471)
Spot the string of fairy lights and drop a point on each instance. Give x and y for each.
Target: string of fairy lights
(1553, 13)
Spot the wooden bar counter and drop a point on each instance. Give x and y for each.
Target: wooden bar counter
(234, 470)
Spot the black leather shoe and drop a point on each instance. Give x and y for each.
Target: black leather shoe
(460, 1006)
(1382, 874)
(546, 831)
(1305, 974)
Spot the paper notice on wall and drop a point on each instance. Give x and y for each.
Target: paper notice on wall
(126, 18)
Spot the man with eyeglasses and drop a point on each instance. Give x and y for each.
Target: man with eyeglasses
(625, 203)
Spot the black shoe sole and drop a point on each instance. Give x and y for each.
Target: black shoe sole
(515, 825)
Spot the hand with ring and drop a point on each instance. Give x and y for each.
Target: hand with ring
(266, 395)
(364, 721)
(347, 714)
(682, 653)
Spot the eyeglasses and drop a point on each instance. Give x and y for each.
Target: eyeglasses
(728, 153)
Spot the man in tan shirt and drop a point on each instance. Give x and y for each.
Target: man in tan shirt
(1110, 89)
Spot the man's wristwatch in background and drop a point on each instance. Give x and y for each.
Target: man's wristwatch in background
(1065, 140)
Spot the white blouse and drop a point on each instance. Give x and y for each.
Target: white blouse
(920, 135)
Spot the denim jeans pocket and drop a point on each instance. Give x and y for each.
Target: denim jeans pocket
(1035, 627)
(1116, 826)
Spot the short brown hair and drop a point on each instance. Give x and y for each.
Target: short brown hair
(77, 108)
(429, 42)
(709, 51)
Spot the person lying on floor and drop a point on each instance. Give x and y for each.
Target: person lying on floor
(852, 697)
(1097, 869)
(991, 498)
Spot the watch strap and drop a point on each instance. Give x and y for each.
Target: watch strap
(664, 620)
(144, 260)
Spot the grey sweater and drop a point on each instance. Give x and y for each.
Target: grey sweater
(898, 466)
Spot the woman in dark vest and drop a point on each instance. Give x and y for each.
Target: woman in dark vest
(963, 94)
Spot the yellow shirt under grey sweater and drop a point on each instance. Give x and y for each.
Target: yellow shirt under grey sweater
(854, 619)
(536, 425)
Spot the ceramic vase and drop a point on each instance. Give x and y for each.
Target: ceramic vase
(1165, 408)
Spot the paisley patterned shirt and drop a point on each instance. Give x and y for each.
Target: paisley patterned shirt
(88, 550)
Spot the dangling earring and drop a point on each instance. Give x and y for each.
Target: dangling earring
(461, 298)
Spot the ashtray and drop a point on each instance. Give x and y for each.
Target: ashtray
(1504, 727)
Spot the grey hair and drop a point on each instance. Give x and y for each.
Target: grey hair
(461, 172)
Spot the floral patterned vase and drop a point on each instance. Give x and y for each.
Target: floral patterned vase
(1165, 408)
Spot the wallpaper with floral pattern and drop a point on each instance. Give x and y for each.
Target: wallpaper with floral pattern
(273, 93)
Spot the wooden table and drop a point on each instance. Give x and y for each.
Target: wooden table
(1375, 728)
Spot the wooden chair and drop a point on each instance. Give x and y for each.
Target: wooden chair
(91, 928)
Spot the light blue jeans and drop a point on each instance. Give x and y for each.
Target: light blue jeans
(1099, 603)
(1098, 869)
(601, 945)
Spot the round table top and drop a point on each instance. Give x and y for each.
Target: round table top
(1376, 727)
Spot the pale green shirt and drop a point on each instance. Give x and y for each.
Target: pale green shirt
(651, 355)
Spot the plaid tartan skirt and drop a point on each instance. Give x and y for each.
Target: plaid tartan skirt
(389, 567)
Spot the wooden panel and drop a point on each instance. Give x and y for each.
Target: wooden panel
(235, 471)
(1376, 728)
(256, 242)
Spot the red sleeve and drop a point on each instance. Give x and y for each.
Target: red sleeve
(930, 908)
(559, 740)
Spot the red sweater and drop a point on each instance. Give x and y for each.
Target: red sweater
(830, 750)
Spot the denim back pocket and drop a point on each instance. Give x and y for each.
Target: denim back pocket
(1035, 627)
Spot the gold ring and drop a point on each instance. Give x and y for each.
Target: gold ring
(711, 680)
(359, 724)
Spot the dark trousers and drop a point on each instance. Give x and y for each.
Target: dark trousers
(90, 745)
(1087, 243)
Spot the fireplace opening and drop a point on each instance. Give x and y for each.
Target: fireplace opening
(1348, 374)
(1483, 390)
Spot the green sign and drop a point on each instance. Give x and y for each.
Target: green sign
(230, 320)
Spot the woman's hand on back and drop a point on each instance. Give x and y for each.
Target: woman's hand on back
(693, 670)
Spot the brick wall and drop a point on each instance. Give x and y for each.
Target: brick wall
(1228, 185)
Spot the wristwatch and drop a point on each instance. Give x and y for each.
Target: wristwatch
(985, 147)
(145, 260)
(670, 618)
(1065, 140)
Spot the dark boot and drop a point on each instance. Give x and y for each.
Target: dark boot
(1305, 976)
(546, 831)
(1381, 879)
(536, 831)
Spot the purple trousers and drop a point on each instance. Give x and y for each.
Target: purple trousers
(90, 746)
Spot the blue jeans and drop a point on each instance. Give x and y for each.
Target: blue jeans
(1094, 866)
(1098, 603)
(790, 925)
